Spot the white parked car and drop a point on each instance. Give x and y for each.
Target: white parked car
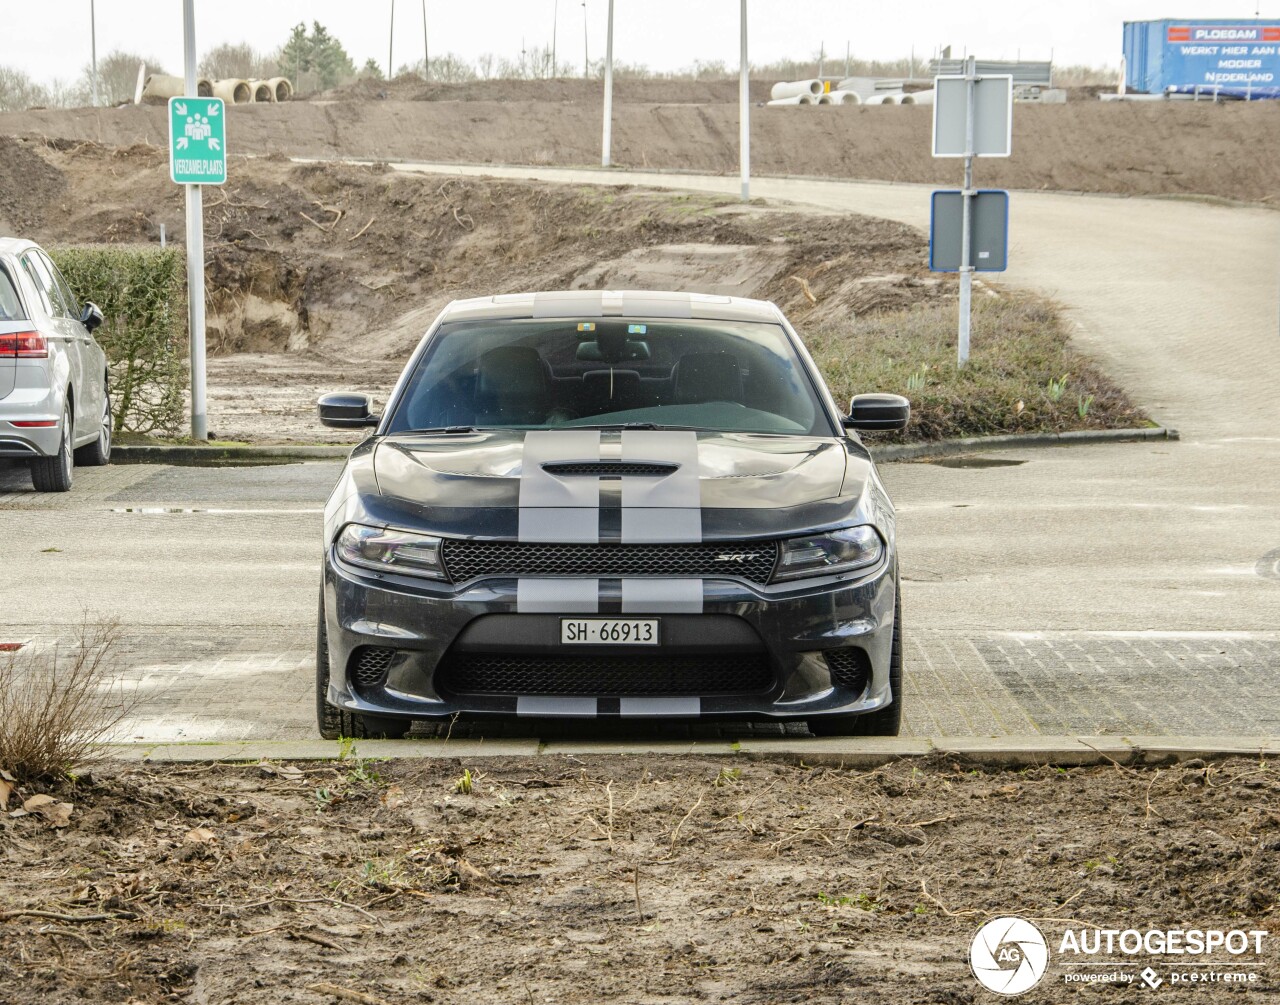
(55, 407)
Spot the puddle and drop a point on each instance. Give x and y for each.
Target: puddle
(1268, 566)
(976, 462)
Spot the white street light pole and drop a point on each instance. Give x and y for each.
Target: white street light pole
(195, 252)
(744, 112)
(426, 49)
(966, 270)
(93, 49)
(586, 57)
(608, 92)
(555, 17)
(391, 38)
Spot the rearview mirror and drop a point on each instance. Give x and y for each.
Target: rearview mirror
(346, 410)
(870, 412)
(91, 315)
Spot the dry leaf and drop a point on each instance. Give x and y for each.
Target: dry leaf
(288, 772)
(5, 791)
(49, 809)
(6, 776)
(199, 835)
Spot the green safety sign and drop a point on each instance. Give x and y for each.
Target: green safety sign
(197, 141)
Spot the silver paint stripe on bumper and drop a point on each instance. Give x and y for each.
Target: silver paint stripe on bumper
(557, 596)
(660, 707)
(562, 706)
(661, 596)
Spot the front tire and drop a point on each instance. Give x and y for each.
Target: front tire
(334, 722)
(54, 474)
(98, 453)
(885, 721)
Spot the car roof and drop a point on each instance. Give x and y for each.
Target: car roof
(611, 303)
(15, 245)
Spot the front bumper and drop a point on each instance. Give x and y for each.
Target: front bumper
(418, 628)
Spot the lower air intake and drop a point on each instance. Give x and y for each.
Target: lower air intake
(849, 668)
(605, 676)
(368, 666)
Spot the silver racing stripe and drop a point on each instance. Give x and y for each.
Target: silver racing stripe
(668, 508)
(559, 510)
(560, 706)
(557, 596)
(661, 596)
(660, 707)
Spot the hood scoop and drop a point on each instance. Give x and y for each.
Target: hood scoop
(607, 469)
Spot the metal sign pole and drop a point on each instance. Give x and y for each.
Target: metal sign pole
(93, 50)
(744, 112)
(195, 253)
(608, 93)
(966, 269)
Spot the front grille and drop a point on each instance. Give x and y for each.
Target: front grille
(368, 666)
(500, 673)
(615, 468)
(467, 560)
(849, 668)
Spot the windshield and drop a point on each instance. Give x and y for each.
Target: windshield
(566, 373)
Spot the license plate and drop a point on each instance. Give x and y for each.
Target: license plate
(609, 631)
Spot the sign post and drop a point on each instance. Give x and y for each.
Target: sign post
(197, 156)
(972, 117)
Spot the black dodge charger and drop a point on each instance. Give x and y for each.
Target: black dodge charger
(635, 505)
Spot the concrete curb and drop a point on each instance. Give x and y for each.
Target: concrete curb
(192, 454)
(860, 752)
(183, 454)
(1016, 441)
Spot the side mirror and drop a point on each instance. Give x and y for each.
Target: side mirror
(870, 412)
(346, 410)
(91, 315)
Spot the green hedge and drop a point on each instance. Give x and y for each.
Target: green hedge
(142, 293)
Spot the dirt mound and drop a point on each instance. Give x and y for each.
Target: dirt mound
(694, 878)
(30, 187)
(626, 90)
(1136, 148)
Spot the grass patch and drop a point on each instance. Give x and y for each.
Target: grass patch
(1022, 375)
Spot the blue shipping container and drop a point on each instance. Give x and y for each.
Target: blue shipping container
(1240, 54)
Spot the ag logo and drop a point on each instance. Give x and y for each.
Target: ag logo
(1008, 956)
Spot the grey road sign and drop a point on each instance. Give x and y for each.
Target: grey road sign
(988, 231)
(992, 116)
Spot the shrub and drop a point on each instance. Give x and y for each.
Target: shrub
(142, 295)
(56, 704)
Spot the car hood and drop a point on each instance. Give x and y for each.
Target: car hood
(550, 485)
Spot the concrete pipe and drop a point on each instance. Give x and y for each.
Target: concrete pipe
(885, 98)
(919, 98)
(233, 90)
(283, 89)
(162, 87)
(789, 89)
(795, 99)
(824, 99)
(808, 99)
(262, 91)
(845, 98)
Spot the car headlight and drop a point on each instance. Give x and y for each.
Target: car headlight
(388, 550)
(826, 554)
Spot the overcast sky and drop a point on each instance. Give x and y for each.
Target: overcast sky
(50, 39)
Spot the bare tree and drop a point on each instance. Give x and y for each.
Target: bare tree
(117, 76)
(238, 60)
(19, 92)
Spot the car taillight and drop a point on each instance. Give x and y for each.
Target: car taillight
(23, 345)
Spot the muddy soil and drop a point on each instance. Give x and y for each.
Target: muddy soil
(639, 879)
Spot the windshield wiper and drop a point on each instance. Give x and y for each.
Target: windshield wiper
(627, 425)
(441, 429)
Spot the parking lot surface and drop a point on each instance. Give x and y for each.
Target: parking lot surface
(1111, 589)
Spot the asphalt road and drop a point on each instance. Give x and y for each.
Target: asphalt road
(1129, 588)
